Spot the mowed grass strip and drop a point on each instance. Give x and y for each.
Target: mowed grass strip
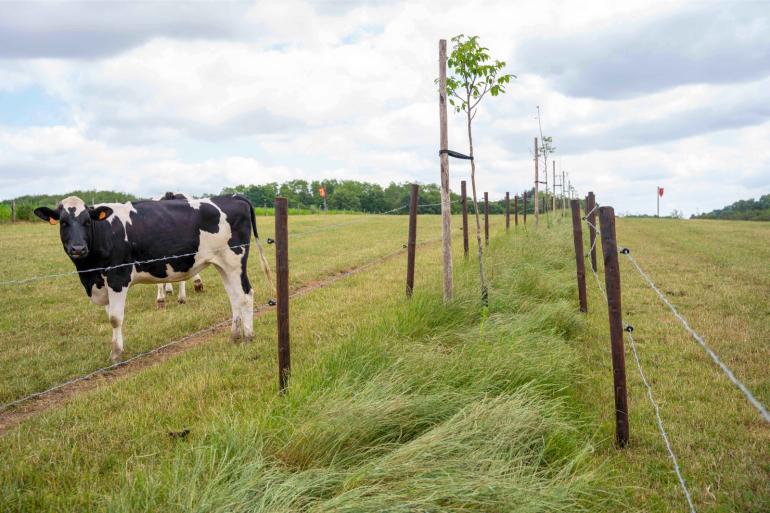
(394, 405)
(715, 273)
(50, 331)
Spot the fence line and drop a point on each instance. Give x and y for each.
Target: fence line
(185, 255)
(209, 329)
(758, 405)
(659, 420)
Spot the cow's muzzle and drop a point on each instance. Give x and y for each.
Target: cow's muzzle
(76, 252)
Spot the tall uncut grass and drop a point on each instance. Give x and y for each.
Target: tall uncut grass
(424, 407)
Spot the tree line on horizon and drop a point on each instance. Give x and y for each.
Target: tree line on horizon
(744, 210)
(341, 195)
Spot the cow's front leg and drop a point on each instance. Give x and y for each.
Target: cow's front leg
(116, 308)
(160, 299)
(182, 293)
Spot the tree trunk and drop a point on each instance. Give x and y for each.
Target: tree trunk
(484, 292)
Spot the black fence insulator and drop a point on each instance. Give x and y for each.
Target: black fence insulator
(455, 154)
(629, 328)
(625, 251)
(270, 241)
(271, 302)
(403, 245)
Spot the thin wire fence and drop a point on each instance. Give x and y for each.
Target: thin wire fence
(213, 328)
(658, 419)
(31, 279)
(729, 373)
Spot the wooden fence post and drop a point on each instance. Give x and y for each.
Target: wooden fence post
(525, 208)
(464, 200)
(516, 211)
(537, 186)
(412, 241)
(486, 218)
(282, 289)
(13, 211)
(612, 284)
(446, 205)
(577, 236)
(591, 209)
(507, 211)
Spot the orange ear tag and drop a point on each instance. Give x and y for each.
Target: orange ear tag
(102, 216)
(52, 221)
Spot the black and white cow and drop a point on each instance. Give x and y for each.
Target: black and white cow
(168, 288)
(105, 242)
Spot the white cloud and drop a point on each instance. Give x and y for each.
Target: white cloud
(273, 91)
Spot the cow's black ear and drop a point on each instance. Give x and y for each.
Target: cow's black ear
(46, 214)
(100, 213)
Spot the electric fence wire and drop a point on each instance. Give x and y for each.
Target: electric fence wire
(30, 279)
(729, 373)
(210, 329)
(659, 420)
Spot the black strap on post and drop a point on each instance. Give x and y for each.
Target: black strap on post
(455, 154)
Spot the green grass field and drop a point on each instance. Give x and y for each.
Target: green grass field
(399, 405)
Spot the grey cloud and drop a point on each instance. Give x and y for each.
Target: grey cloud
(91, 30)
(711, 43)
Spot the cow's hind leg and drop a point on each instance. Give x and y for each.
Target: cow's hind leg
(182, 293)
(116, 309)
(242, 303)
(160, 298)
(198, 283)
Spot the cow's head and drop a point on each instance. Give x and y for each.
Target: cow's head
(75, 224)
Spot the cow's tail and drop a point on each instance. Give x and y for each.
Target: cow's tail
(262, 259)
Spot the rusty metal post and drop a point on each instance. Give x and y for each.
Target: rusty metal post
(412, 241)
(612, 284)
(486, 218)
(507, 210)
(577, 236)
(282, 289)
(516, 211)
(464, 200)
(591, 214)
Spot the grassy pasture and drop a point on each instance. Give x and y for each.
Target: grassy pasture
(409, 406)
(53, 332)
(716, 273)
(394, 405)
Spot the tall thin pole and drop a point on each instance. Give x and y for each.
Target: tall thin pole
(591, 214)
(537, 187)
(486, 218)
(657, 198)
(464, 200)
(614, 309)
(507, 211)
(282, 289)
(553, 196)
(412, 240)
(516, 210)
(577, 236)
(446, 213)
(525, 208)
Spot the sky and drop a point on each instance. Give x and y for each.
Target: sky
(150, 97)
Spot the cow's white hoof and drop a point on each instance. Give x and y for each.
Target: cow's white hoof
(182, 300)
(248, 338)
(198, 286)
(161, 304)
(115, 357)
